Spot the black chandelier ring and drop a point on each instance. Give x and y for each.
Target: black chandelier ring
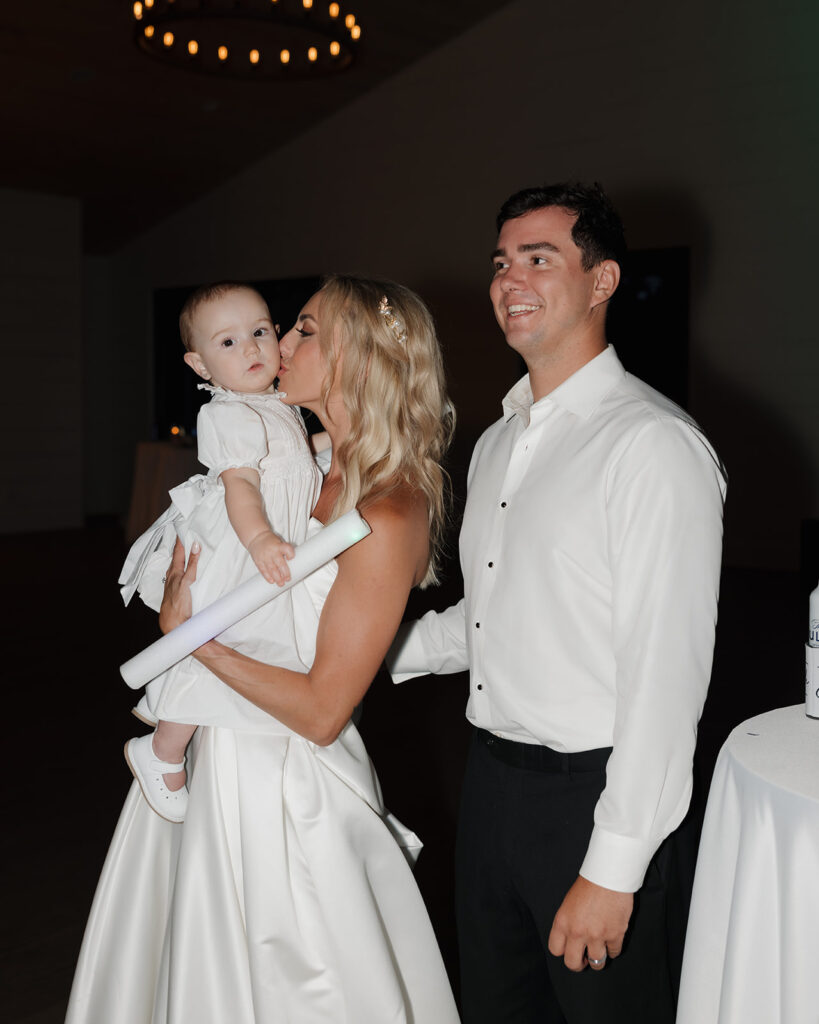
(250, 39)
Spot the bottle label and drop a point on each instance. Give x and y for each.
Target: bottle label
(813, 638)
(811, 681)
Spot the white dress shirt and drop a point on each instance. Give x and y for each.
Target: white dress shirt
(590, 550)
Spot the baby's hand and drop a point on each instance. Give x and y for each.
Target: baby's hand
(270, 554)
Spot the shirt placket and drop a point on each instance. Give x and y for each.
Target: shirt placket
(493, 557)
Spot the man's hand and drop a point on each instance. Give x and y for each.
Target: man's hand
(590, 925)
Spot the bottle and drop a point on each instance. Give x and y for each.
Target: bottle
(812, 657)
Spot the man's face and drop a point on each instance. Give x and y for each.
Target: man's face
(543, 299)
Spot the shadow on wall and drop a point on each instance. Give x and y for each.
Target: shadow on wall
(480, 366)
(770, 491)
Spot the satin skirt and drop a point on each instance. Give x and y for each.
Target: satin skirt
(286, 896)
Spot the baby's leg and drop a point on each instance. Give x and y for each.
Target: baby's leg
(154, 753)
(170, 742)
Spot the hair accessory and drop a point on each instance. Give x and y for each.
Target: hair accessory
(394, 324)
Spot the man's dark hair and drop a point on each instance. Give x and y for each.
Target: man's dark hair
(597, 232)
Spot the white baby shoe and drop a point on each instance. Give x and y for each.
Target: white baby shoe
(148, 770)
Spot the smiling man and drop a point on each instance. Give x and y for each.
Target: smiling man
(590, 549)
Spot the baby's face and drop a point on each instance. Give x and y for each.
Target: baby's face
(234, 343)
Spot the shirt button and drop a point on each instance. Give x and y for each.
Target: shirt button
(477, 625)
(479, 686)
(490, 564)
(503, 504)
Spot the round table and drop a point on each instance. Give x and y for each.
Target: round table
(158, 466)
(752, 946)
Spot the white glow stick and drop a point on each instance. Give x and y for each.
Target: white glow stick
(252, 594)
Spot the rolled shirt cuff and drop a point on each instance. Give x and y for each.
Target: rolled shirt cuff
(406, 657)
(617, 862)
(432, 644)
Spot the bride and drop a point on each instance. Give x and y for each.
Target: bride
(286, 895)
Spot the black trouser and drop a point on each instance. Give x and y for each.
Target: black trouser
(525, 822)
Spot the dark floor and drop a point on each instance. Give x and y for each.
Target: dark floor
(65, 633)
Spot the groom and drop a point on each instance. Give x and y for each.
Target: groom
(590, 549)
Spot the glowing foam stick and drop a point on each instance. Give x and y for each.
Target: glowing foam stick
(252, 594)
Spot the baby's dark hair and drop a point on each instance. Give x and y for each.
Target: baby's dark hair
(207, 293)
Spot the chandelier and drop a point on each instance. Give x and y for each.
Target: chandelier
(250, 39)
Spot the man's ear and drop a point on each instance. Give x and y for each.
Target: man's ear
(606, 279)
(194, 361)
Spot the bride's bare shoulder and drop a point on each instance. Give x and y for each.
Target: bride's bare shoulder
(399, 521)
(402, 508)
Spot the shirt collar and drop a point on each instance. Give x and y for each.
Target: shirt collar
(579, 394)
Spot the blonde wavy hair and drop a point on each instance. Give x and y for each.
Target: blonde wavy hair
(393, 389)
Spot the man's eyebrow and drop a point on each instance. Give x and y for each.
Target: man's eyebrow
(527, 247)
(534, 246)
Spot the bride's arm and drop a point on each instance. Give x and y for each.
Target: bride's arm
(358, 622)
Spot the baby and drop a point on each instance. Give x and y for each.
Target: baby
(261, 487)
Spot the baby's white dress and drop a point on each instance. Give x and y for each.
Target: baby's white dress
(285, 897)
(233, 430)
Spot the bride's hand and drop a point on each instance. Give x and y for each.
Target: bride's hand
(176, 601)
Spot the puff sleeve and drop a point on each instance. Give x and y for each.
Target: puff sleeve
(230, 435)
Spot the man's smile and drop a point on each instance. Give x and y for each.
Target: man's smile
(518, 309)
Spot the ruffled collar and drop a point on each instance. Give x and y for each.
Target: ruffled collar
(242, 396)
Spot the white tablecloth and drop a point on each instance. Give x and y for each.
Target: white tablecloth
(752, 948)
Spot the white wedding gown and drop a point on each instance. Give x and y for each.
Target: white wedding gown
(284, 898)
